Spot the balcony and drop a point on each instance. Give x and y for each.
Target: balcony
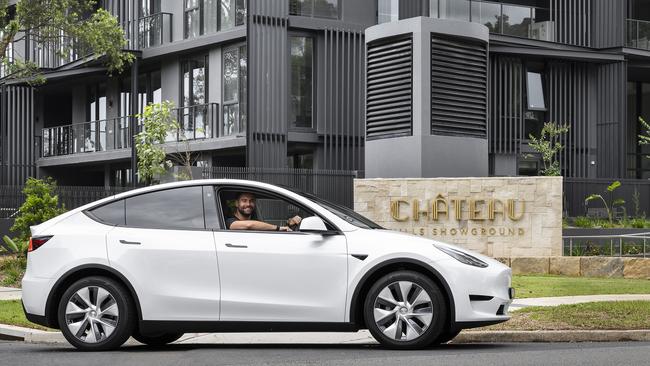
(197, 122)
(514, 20)
(638, 34)
(150, 31)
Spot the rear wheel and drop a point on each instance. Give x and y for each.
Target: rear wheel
(96, 314)
(405, 310)
(156, 340)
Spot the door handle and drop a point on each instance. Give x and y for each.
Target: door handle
(129, 242)
(236, 246)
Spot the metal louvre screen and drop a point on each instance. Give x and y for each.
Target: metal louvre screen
(458, 87)
(389, 110)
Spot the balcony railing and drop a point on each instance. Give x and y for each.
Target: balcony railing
(53, 52)
(638, 34)
(512, 20)
(196, 122)
(150, 31)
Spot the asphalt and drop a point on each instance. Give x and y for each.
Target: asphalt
(547, 354)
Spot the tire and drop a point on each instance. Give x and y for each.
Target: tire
(446, 337)
(96, 314)
(397, 324)
(156, 340)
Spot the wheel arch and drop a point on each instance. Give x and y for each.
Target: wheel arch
(392, 265)
(76, 274)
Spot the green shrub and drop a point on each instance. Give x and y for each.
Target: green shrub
(40, 205)
(583, 222)
(12, 270)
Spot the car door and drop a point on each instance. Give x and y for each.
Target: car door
(167, 252)
(281, 276)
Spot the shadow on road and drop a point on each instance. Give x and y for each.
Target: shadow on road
(283, 346)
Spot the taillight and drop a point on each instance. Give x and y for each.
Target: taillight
(36, 242)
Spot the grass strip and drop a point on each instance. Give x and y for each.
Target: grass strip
(11, 312)
(551, 286)
(612, 315)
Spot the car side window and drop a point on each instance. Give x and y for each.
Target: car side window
(177, 208)
(111, 213)
(268, 208)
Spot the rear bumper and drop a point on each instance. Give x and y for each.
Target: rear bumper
(35, 292)
(37, 319)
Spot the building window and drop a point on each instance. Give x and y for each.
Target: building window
(194, 94)
(387, 11)
(301, 82)
(234, 90)
(210, 16)
(535, 92)
(193, 26)
(453, 9)
(315, 8)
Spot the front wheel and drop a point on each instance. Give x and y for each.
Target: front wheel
(96, 314)
(405, 310)
(156, 340)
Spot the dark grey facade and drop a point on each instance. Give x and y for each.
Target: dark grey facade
(585, 62)
(256, 83)
(282, 83)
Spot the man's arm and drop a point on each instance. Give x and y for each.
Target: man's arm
(255, 225)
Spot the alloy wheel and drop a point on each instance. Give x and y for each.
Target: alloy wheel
(91, 314)
(403, 311)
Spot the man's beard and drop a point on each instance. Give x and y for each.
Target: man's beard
(244, 214)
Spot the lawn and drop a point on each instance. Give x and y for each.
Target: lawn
(548, 286)
(620, 315)
(11, 312)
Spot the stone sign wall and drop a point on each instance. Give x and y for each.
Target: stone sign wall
(499, 217)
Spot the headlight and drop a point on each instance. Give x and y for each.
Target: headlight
(462, 257)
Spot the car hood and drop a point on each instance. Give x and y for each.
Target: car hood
(399, 241)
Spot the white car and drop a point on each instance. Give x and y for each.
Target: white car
(157, 262)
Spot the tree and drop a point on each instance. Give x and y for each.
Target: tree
(152, 160)
(613, 202)
(85, 28)
(644, 136)
(548, 145)
(158, 122)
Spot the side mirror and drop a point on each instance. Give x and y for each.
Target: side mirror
(312, 224)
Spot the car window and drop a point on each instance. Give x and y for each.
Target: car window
(268, 208)
(112, 213)
(178, 208)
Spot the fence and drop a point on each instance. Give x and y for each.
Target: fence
(626, 245)
(11, 197)
(335, 186)
(636, 194)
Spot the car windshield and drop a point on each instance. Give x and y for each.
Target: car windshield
(343, 212)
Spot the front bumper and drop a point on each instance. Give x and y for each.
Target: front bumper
(482, 296)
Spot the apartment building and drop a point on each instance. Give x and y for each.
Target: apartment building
(282, 83)
(256, 83)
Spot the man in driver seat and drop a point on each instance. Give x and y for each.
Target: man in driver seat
(244, 219)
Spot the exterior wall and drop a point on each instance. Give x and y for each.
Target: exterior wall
(268, 83)
(532, 228)
(17, 132)
(427, 152)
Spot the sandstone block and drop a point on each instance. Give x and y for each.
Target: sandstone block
(529, 265)
(565, 266)
(601, 267)
(636, 268)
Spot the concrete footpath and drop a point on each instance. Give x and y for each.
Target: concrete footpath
(10, 332)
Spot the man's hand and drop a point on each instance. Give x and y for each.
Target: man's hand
(294, 221)
(285, 228)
